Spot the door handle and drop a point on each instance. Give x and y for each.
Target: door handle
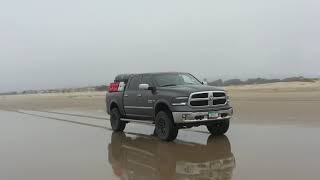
(139, 95)
(126, 95)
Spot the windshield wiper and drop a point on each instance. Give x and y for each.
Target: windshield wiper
(169, 85)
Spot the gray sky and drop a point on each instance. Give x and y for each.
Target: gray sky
(70, 43)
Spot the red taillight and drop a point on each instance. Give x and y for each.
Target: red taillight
(113, 87)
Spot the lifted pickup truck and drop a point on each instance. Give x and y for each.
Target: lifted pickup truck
(171, 101)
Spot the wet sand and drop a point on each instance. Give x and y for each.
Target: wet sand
(37, 145)
(274, 135)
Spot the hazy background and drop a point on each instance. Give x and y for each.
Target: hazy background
(71, 43)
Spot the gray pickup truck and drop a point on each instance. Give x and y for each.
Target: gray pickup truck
(171, 101)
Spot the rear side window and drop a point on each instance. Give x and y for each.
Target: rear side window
(134, 83)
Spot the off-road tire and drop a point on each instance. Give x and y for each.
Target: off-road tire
(165, 129)
(116, 123)
(219, 128)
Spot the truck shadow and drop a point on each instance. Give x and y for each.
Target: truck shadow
(145, 157)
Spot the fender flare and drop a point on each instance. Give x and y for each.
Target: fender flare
(161, 101)
(117, 104)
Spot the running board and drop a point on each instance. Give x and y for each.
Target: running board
(137, 121)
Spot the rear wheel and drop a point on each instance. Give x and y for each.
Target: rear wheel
(116, 123)
(165, 128)
(219, 128)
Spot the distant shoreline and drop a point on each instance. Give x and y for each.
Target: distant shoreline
(253, 81)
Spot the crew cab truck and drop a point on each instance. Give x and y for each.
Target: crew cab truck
(171, 101)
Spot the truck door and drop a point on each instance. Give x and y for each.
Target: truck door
(130, 97)
(145, 99)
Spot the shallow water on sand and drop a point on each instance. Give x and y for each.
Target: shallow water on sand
(38, 145)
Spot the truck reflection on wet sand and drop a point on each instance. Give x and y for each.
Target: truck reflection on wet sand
(145, 157)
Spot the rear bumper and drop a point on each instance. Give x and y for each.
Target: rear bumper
(196, 117)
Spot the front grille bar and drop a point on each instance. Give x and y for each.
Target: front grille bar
(210, 98)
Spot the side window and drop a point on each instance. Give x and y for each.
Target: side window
(147, 79)
(134, 83)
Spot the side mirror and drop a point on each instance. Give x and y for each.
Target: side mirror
(205, 83)
(144, 86)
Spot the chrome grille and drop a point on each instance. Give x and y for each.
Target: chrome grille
(207, 98)
(199, 103)
(219, 94)
(219, 101)
(200, 95)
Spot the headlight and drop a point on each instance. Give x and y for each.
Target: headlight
(227, 97)
(179, 101)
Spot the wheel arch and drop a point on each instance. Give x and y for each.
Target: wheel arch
(161, 105)
(115, 104)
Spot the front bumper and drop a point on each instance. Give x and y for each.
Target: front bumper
(192, 117)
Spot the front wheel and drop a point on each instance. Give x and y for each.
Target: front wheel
(165, 128)
(219, 128)
(116, 123)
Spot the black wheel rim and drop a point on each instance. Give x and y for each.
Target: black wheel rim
(161, 128)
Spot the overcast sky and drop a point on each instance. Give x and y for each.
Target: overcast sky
(71, 43)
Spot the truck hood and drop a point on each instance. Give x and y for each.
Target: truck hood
(188, 89)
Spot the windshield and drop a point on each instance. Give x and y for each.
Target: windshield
(174, 79)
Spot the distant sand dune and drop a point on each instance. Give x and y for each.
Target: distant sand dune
(278, 87)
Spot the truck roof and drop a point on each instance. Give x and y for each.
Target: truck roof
(125, 77)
